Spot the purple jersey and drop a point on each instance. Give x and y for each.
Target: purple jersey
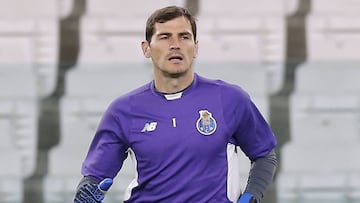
(180, 142)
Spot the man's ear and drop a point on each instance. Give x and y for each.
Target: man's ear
(146, 48)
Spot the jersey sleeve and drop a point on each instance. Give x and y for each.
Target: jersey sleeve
(107, 150)
(250, 130)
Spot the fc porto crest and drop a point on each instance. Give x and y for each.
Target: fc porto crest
(206, 124)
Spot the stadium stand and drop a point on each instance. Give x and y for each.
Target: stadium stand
(318, 163)
(110, 63)
(81, 110)
(33, 43)
(18, 113)
(30, 36)
(28, 67)
(259, 28)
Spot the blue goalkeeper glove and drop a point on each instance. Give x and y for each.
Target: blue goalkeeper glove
(90, 192)
(247, 198)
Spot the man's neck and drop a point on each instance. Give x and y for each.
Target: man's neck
(169, 85)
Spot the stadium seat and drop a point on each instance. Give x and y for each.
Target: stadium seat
(29, 45)
(19, 110)
(11, 181)
(104, 49)
(35, 8)
(29, 35)
(333, 37)
(33, 45)
(88, 93)
(318, 162)
(336, 7)
(18, 125)
(132, 9)
(11, 176)
(333, 30)
(246, 8)
(324, 126)
(262, 21)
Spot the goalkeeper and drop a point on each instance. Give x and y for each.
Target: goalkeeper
(183, 131)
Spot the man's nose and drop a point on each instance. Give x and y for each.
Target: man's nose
(174, 44)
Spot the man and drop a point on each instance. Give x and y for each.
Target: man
(181, 129)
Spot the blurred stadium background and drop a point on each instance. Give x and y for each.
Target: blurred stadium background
(63, 61)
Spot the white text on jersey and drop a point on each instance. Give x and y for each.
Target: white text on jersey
(149, 127)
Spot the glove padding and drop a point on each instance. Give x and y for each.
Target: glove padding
(90, 192)
(247, 198)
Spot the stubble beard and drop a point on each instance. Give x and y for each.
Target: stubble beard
(174, 75)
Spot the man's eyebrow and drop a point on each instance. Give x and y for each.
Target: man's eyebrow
(164, 33)
(185, 33)
(169, 33)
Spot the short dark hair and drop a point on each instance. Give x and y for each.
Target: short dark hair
(165, 14)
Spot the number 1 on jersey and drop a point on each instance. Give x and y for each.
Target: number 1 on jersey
(174, 122)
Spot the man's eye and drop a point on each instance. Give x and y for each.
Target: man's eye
(185, 37)
(163, 37)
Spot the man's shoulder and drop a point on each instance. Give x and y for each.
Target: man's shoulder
(224, 86)
(133, 94)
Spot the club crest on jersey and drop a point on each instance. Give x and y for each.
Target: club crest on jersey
(206, 124)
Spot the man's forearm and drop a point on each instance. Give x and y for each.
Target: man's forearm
(261, 175)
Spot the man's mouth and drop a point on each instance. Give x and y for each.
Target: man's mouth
(175, 58)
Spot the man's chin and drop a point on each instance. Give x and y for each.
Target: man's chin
(176, 75)
(175, 71)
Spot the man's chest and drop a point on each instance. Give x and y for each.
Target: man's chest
(178, 127)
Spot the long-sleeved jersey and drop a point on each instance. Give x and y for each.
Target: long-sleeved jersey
(182, 143)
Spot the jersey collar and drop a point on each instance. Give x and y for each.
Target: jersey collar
(176, 95)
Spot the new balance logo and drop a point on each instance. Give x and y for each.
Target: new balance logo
(149, 127)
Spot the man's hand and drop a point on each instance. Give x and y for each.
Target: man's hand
(247, 198)
(89, 192)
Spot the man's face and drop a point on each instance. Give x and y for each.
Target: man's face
(172, 47)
